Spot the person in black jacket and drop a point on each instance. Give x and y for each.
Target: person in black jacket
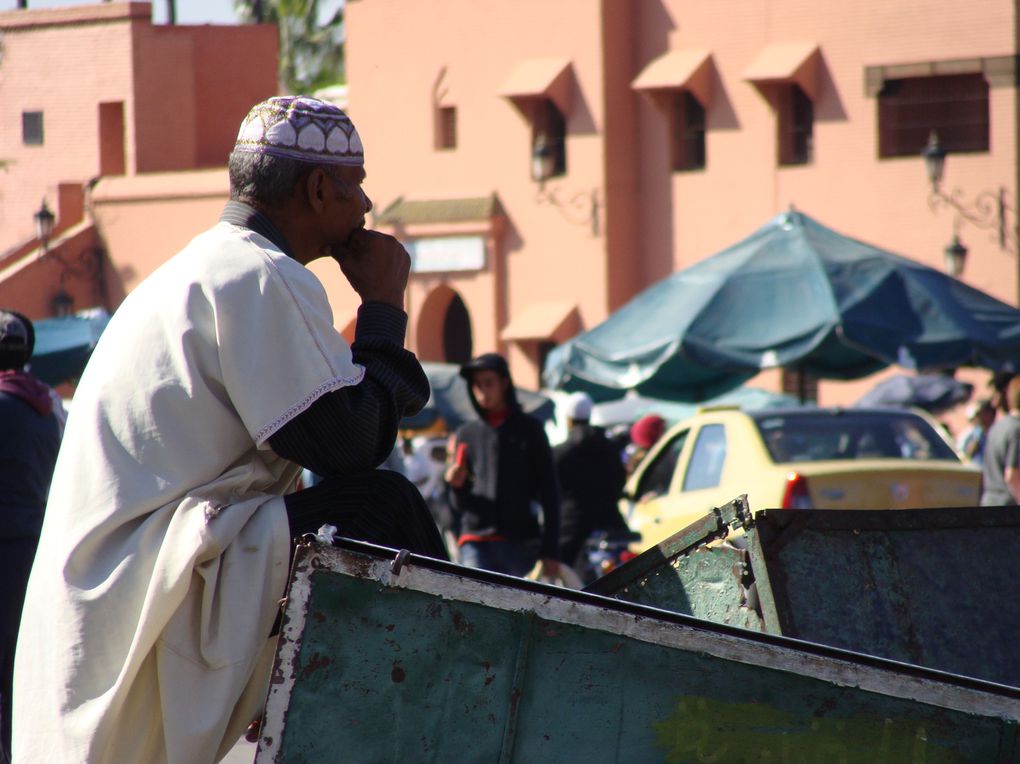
(502, 466)
(29, 439)
(591, 477)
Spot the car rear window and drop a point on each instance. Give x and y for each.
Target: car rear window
(813, 437)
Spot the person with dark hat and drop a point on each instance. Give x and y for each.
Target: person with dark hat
(502, 480)
(30, 432)
(165, 549)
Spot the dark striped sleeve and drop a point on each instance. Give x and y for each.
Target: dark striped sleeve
(353, 429)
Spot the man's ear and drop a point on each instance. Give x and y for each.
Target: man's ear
(315, 189)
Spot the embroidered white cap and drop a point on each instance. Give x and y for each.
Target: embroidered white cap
(302, 128)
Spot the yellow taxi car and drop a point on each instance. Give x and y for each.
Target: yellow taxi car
(796, 458)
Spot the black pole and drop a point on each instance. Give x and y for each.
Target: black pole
(171, 12)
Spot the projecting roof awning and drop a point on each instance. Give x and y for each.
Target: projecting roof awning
(550, 78)
(788, 62)
(679, 70)
(542, 321)
(410, 212)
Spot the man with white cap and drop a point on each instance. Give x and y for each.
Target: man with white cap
(166, 543)
(591, 476)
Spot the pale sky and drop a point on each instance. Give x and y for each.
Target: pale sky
(188, 11)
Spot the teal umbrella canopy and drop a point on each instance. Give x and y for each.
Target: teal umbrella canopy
(796, 294)
(633, 406)
(450, 399)
(63, 345)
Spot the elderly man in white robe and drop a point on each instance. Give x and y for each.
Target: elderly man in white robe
(167, 535)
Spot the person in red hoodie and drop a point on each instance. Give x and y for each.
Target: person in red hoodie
(29, 439)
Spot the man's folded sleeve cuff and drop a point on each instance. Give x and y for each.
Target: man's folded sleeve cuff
(378, 319)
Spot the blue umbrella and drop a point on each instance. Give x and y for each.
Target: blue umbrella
(931, 392)
(794, 294)
(63, 345)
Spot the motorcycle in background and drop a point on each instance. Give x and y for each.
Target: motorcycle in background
(606, 551)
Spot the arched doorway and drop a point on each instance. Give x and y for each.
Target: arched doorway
(457, 332)
(444, 327)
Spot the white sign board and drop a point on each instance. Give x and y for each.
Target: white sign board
(446, 253)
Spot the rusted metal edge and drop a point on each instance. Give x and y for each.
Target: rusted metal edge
(281, 683)
(763, 583)
(653, 626)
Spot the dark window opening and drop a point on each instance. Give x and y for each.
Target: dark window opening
(457, 332)
(807, 436)
(687, 131)
(446, 127)
(956, 106)
(549, 128)
(796, 124)
(32, 128)
(111, 139)
(800, 384)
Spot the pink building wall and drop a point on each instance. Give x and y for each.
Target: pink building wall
(652, 220)
(38, 48)
(575, 248)
(120, 97)
(476, 48)
(846, 186)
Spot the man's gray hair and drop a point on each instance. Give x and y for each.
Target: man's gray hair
(270, 180)
(263, 178)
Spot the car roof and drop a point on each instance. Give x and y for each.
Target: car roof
(830, 411)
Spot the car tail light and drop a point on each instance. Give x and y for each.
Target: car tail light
(796, 495)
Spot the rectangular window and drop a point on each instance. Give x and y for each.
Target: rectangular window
(549, 128)
(111, 138)
(796, 125)
(956, 106)
(687, 131)
(799, 384)
(446, 127)
(707, 459)
(32, 128)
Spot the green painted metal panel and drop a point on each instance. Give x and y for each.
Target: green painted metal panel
(706, 582)
(694, 572)
(427, 661)
(930, 587)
